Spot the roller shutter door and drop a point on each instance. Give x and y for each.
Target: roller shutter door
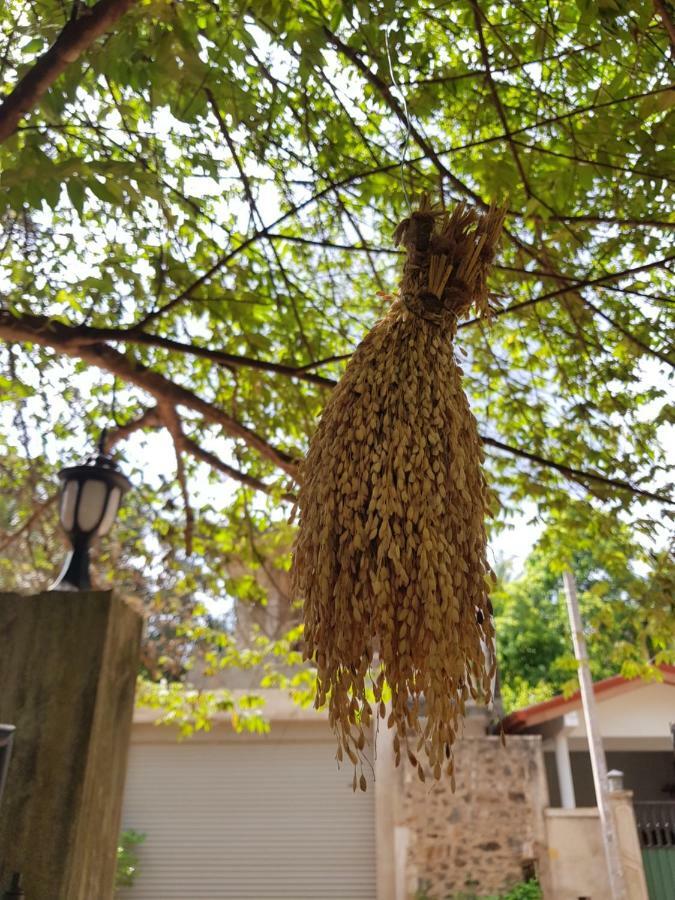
(248, 820)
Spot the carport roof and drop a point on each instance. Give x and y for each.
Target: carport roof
(521, 719)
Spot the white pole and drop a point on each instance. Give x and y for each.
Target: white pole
(598, 762)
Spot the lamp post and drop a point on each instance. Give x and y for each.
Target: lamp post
(90, 497)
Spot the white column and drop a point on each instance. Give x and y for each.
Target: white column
(564, 770)
(387, 785)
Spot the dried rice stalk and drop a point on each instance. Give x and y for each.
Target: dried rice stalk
(390, 554)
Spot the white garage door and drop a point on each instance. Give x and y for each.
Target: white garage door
(248, 820)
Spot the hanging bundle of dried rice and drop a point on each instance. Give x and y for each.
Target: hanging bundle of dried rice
(390, 554)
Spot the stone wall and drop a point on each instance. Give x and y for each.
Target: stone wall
(481, 840)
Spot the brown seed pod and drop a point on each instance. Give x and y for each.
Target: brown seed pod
(390, 554)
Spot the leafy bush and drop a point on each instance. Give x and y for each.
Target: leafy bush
(526, 890)
(127, 858)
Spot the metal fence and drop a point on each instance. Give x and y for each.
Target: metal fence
(655, 823)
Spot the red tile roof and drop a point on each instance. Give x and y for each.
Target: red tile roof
(558, 706)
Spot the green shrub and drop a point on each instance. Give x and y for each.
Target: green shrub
(526, 890)
(127, 858)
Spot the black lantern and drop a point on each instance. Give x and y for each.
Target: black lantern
(90, 497)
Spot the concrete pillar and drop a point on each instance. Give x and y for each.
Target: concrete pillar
(564, 770)
(621, 804)
(386, 799)
(67, 675)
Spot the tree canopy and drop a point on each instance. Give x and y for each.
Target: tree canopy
(197, 203)
(627, 601)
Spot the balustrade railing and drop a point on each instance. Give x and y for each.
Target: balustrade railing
(655, 823)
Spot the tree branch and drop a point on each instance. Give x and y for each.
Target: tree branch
(77, 36)
(669, 361)
(148, 419)
(333, 245)
(174, 426)
(477, 14)
(479, 73)
(572, 286)
(600, 165)
(198, 452)
(612, 220)
(38, 511)
(383, 89)
(151, 419)
(663, 12)
(420, 139)
(46, 333)
(581, 476)
(83, 335)
(297, 208)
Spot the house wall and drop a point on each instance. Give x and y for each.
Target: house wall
(648, 707)
(484, 838)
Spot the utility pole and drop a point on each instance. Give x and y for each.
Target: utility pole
(617, 884)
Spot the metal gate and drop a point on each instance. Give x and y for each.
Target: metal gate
(263, 817)
(656, 829)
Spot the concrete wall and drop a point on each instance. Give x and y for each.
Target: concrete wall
(577, 864)
(576, 854)
(483, 838)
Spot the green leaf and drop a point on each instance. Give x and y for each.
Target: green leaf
(76, 193)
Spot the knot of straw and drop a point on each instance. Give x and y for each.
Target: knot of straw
(448, 258)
